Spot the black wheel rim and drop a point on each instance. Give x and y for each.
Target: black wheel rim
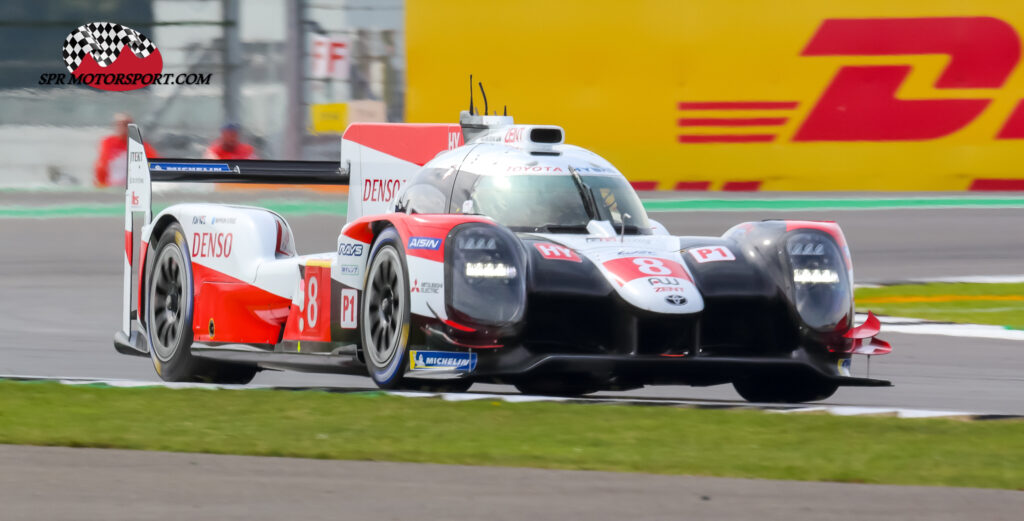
(167, 306)
(385, 310)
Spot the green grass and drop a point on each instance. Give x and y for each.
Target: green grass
(551, 435)
(997, 304)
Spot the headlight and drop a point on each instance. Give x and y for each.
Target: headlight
(485, 277)
(495, 270)
(821, 289)
(806, 276)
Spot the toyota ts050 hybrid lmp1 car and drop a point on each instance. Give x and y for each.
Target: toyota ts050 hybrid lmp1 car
(483, 252)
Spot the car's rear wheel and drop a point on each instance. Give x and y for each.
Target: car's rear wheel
(784, 389)
(169, 308)
(384, 317)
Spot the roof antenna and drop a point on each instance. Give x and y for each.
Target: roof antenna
(470, 94)
(482, 93)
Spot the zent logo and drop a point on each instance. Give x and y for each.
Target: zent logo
(350, 250)
(113, 57)
(711, 254)
(556, 252)
(212, 245)
(424, 243)
(349, 299)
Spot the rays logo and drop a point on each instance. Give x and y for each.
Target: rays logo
(113, 57)
(350, 250)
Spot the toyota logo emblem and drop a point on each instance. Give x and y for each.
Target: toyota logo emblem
(676, 300)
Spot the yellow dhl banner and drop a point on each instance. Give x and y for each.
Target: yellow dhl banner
(744, 95)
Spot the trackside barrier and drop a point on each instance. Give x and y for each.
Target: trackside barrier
(805, 95)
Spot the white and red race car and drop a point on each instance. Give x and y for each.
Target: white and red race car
(483, 251)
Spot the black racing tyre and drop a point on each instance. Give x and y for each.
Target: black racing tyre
(553, 387)
(783, 389)
(384, 312)
(169, 306)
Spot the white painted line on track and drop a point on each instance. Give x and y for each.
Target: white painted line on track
(961, 279)
(843, 410)
(959, 330)
(917, 326)
(977, 279)
(835, 410)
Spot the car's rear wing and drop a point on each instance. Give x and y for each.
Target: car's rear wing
(139, 193)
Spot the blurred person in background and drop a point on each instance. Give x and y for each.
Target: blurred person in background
(111, 166)
(228, 146)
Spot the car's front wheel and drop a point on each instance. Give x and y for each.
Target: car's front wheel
(384, 315)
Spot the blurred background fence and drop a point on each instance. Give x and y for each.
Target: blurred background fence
(290, 72)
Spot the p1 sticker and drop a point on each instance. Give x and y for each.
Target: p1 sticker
(704, 254)
(349, 302)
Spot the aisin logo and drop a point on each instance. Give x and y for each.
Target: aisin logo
(109, 56)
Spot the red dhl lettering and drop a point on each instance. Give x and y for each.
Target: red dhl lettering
(860, 102)
(212, 245)
(380, 190)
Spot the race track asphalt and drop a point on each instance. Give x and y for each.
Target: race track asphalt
(60, 280)
(112, 485)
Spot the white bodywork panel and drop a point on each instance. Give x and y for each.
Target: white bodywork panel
(646, 271)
